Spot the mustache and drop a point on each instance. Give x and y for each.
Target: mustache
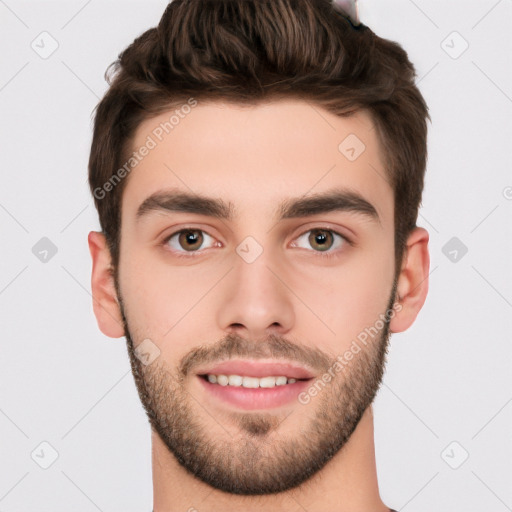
(273, 347)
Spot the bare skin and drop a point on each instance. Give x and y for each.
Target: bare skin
(256, 157)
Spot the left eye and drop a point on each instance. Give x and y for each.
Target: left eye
(323, 239)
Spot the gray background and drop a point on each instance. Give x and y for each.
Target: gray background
(447, 392)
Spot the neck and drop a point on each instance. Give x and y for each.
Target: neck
(347, 483)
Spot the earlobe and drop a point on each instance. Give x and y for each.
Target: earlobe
(412, 286)
(105, 302)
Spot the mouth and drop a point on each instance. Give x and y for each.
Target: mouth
(246, 381)
(255, 384)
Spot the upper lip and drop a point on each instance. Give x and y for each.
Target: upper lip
(258, 368)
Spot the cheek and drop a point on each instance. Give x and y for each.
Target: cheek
(347, 298)
(161, 300)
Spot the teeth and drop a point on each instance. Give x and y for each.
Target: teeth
(235, 380)
(249, 382)
(267, 382)
(281, 381)
(222, 380)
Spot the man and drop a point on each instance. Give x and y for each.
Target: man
(258, 168)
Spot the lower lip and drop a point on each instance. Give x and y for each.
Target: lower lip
(256, 398)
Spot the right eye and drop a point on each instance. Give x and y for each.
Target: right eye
(188, 240)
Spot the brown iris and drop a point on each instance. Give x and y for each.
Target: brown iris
(320, 236)
(191, 236)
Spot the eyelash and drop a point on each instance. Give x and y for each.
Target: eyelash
(325, 255)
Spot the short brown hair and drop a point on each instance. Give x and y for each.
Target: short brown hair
(250, 51)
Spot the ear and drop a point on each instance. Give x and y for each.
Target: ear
(104, 297)
(412, 286)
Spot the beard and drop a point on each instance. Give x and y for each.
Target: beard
(257, 460)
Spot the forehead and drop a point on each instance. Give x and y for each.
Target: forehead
(256, 156)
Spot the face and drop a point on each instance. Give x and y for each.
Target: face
(273, 281)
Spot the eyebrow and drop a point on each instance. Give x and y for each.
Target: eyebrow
(343, 200)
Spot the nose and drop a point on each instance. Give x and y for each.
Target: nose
(255, 300)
